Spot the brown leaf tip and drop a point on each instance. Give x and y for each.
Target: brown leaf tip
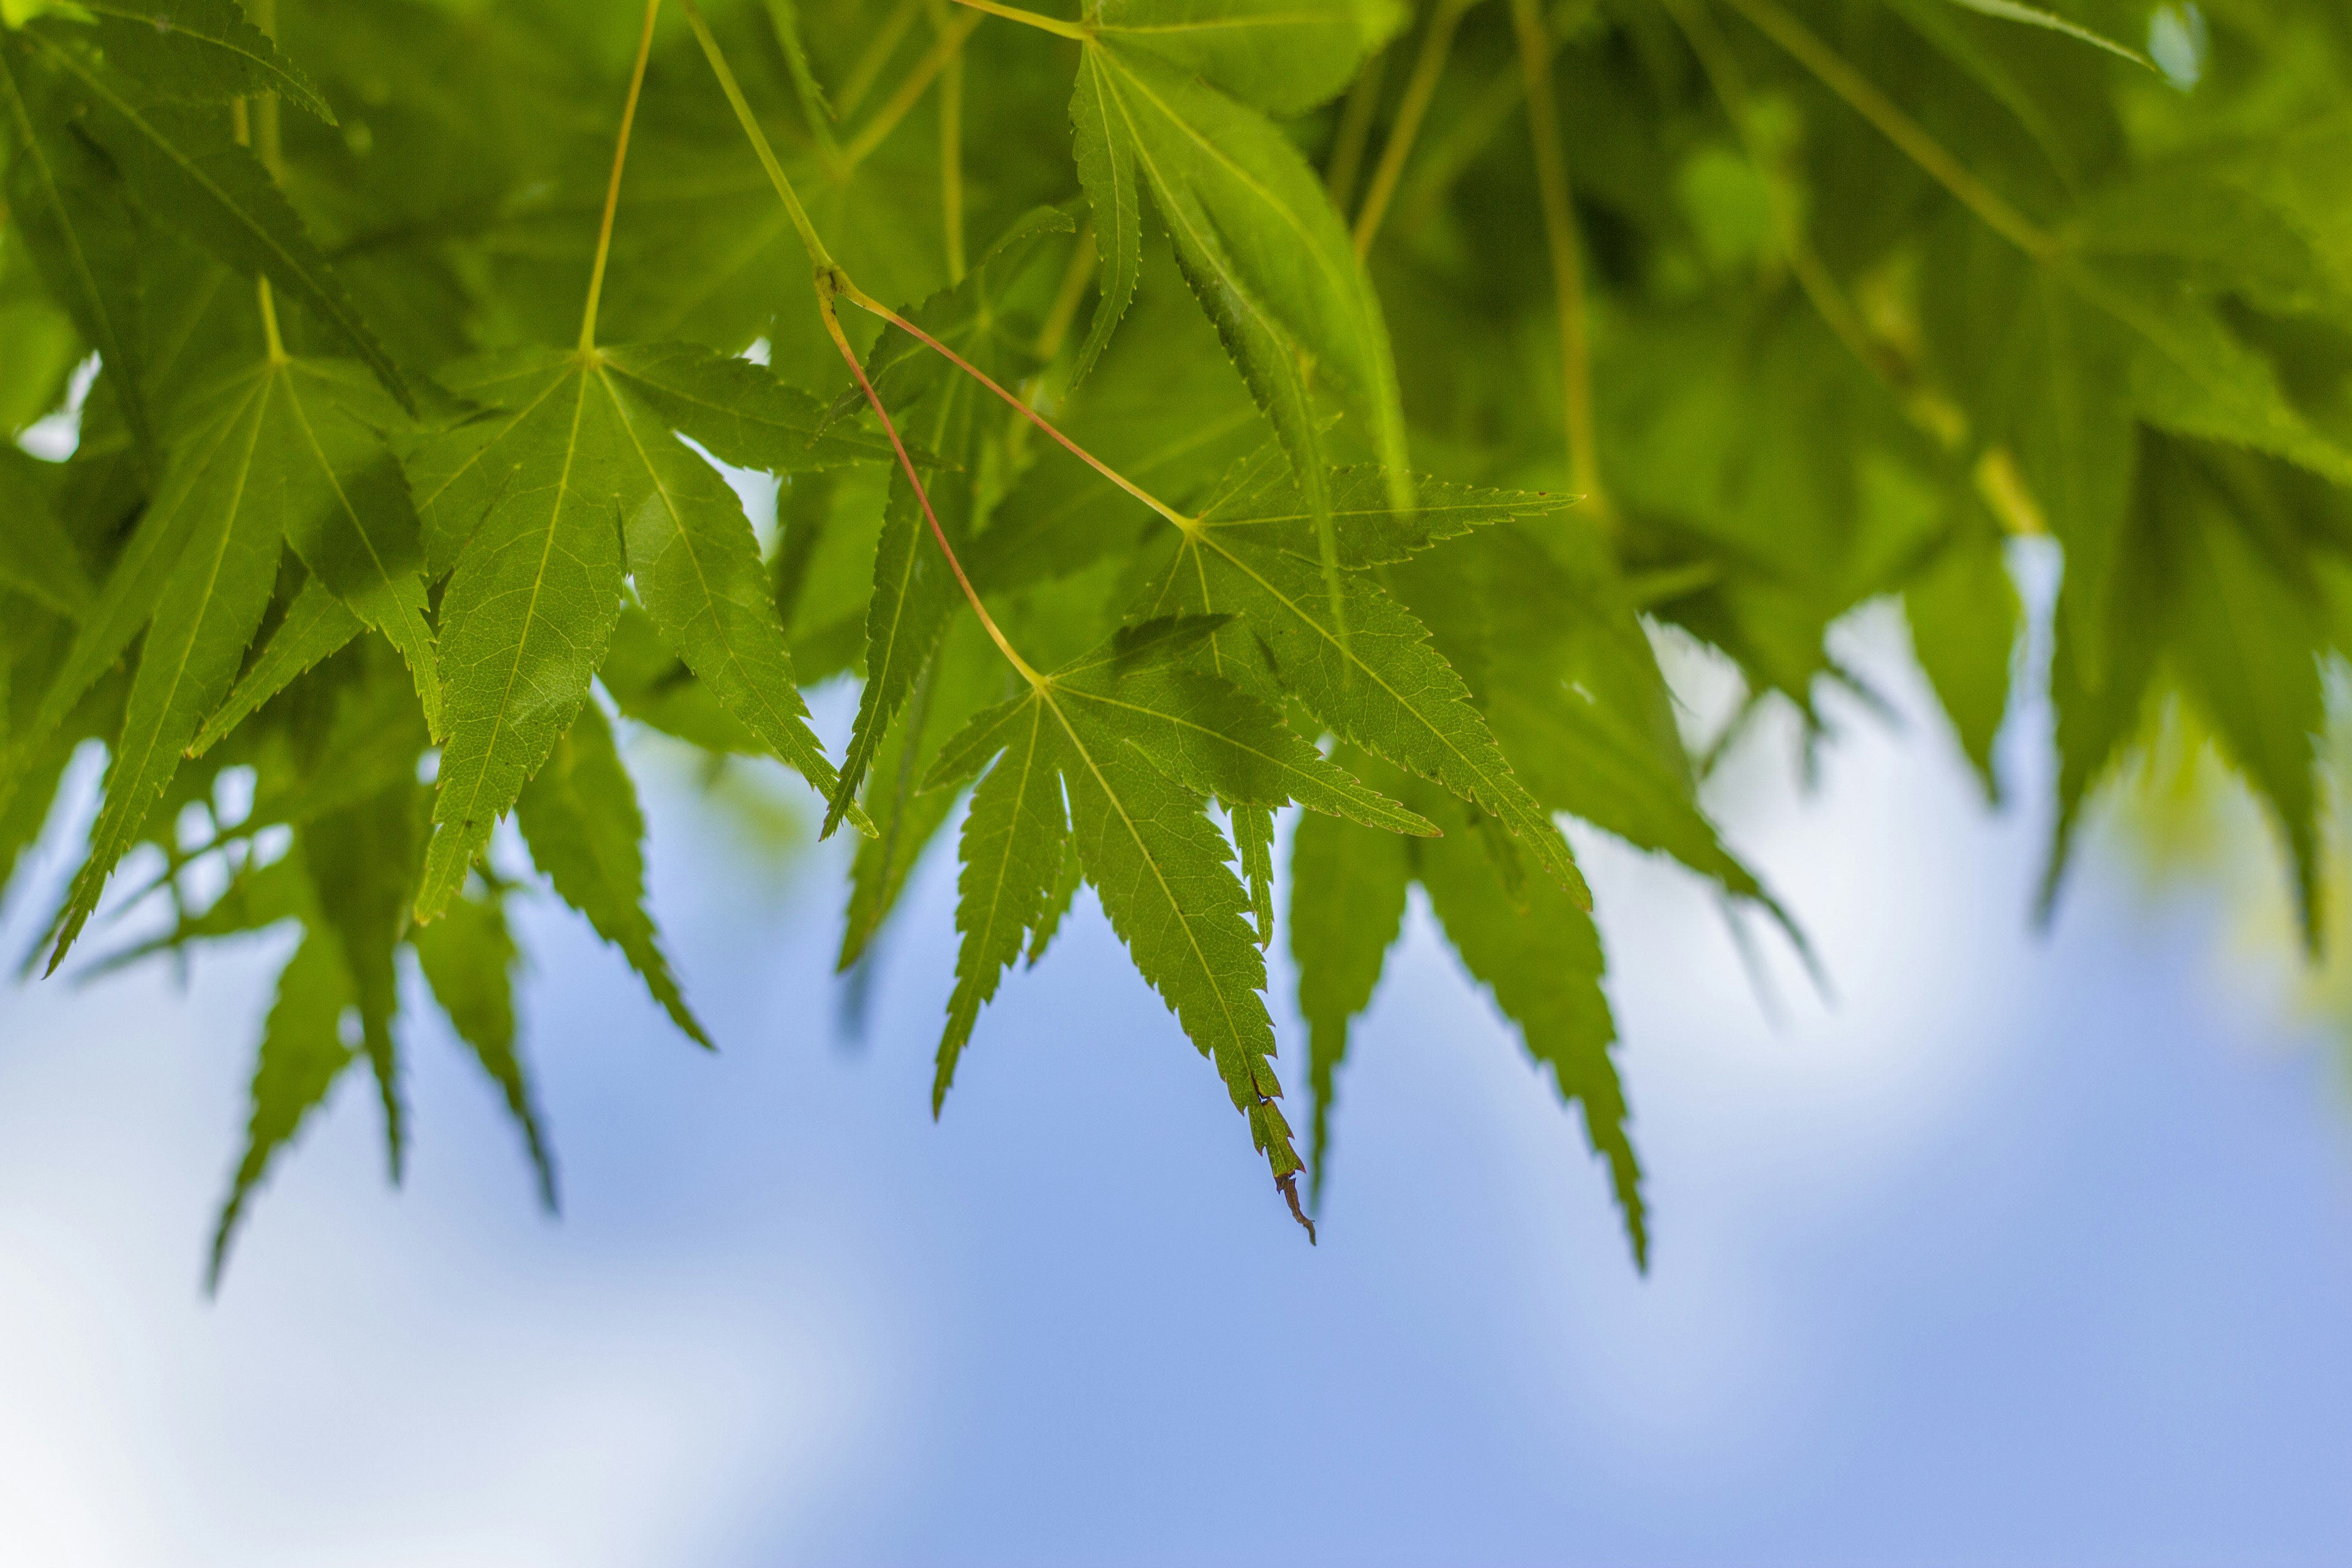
(1288, 1182)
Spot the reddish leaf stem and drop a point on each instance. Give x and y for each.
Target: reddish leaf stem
(865, 302)
(826, 286)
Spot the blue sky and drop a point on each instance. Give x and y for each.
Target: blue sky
(2023, 1251)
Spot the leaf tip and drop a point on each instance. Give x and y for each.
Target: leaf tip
(1288, 1182)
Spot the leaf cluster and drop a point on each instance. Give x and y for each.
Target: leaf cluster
(1176, 411)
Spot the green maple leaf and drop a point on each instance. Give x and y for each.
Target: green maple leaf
(1253, 229)
(914, 595)
(531, 504)
(1134, 740)
(1382, 685)
(579, 817)
(200, 594)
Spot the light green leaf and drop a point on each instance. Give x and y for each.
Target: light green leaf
(1384, 688)
(697, 566)
(1106, 160)
(2252, 644)
(1283, 56)
(1268, 259)
(2046, 374)
(206, 610)
(536, 496)
(965, 675)
(1011, 853)
(579, 817)
(784, 17)
(1252, 831)
(652, 685)
(914, 595)
(1163, 876)
(741, 411)
(136, 583)
(1071, 877)
(2191, 375)
(1259, 499)
(1209, 735)
(1165, 407)
(347, 508)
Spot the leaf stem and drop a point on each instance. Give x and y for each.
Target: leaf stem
(874, 400)
(1064, 312)
(1723, 74)
(879, 50)
(1451, 150)
(1428, 65)
(818, 255)
(612, 187)
(1346, 159)
(952, 147)
(1567, 262)
(833, 280)
(241, 126)
(910, 92)
(1053, 24)
(1862, 95)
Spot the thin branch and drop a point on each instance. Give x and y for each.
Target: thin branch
(1428, 65)
(951, 147)
(1450, 151)
(1355, 130)
(1723, 74)
(613, 189)
(1862, 95)
(242, 120)
(865, 302)
(1567, 262)
(814, 246)
(1053, 24)
(879, 50)
(910, 91)
(1064, 312)
(833, 281)
(241, 126)
(922, 495)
